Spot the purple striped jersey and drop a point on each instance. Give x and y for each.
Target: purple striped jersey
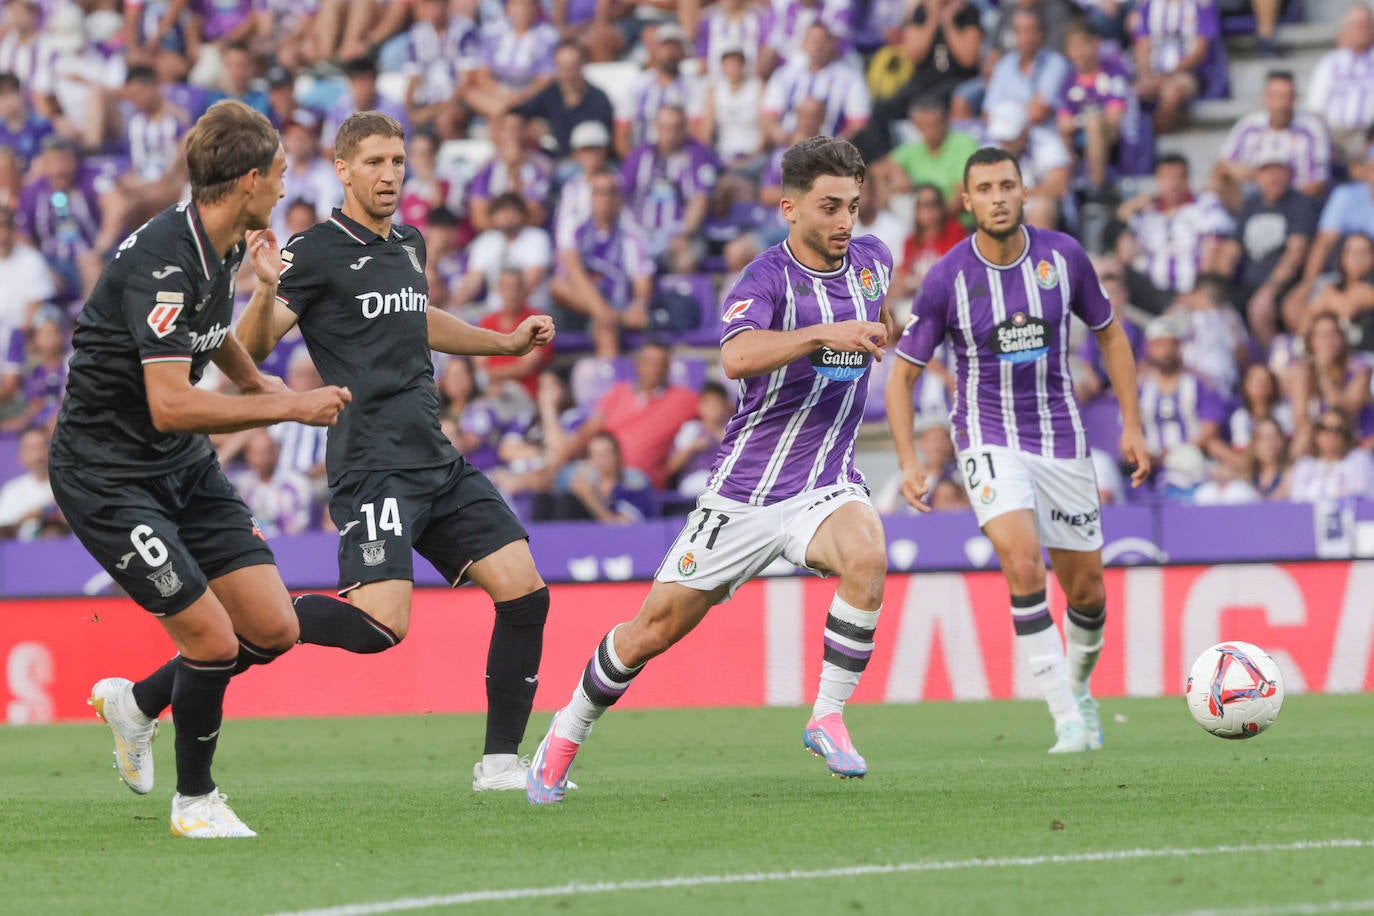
(1008, 330)
(518, 59)
(1341, 89)
(1174, 28)
(1305, 144)
(794, 429)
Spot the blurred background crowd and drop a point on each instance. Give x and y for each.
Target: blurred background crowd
(617, 164)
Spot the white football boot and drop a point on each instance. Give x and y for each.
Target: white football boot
(113, 700)
(201, 817)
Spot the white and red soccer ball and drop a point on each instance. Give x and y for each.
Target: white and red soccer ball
(1234, 690)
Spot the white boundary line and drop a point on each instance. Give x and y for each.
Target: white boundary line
(578, 888)
(1291, 909)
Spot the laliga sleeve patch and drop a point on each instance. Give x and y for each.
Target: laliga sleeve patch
(838, 365)
(736, 309)
(163, 317)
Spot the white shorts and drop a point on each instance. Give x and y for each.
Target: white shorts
(1062, 492)
(728, 543)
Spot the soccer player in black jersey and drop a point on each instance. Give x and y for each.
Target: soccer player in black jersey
(355, 284)
(136, 477)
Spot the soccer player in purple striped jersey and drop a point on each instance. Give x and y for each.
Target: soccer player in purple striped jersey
(801, 328)
(1003, 300)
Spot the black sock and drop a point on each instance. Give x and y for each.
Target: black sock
(328, 621)
(250, 655)
(153, 694)
(197, 711)
(517, 642)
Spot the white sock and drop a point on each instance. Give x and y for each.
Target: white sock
(605, 680)
(498, 763)
(1083, 641)
(1039, 645)
(848, 647)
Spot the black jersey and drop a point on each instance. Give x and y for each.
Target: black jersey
(167, 297)
(362, 304)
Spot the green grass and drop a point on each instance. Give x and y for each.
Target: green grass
(361, 810)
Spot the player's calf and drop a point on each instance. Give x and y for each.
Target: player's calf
(326, 621)
(517, 644)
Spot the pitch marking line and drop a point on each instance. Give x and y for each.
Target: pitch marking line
(1291, 909)
(577, 888)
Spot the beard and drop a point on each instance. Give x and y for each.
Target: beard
(820, 244)
(1001, 235)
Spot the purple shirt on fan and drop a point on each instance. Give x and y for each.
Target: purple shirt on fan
(45, 386)
(658, 187)
(27, 140)
(794, 429)
(1176, 417)
(222, 16)
(1174, 28)
(1008, 329)
(791, 19)
(718, 31)
(1108, 88)
(518, 60)
(535, 179)
(614, 258)
(63, 223)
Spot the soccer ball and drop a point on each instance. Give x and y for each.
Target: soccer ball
(1234, 690)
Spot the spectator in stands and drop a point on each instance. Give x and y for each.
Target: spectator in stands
(730, 108)
(1266, 460)
(426, 187)
(281, 97)
(362, 95)
(59, 211)
(513, 293)
(27, 284)
(531, 456)
(446, 262)
(1173, 236)
(349, 29)
(935, 450)
(1032, 75)
(21, 128)
(1216, 346)
(592, 26)
(514, 168)
(516, 60)
(1090, 369)
(732, 25)
(28, 53)
(661, 85)
(1349, 208)
(1043, 158)
(666, 186)
(473, 422)
(309, 176)
(301, 448)
(644, 415)
(810, 115)
(1332, 468)
(239, 77)
(605, 275)
(1054, 17)
(1097, 103)
(511, 242)
(441, 48)
(942, 40)
(1328, 376)
(875, 218)
(281, 500)
(591, 143)
(818, 73)
(1177, 407)
(287, 29)
(1280, 130)
(733, 216)
(11, 178)
(789, 24)
(695, 445)
(938, 156)
(154, 27)
(569, 101)
(1260, 398)
(1351, 294)
(1172, 41)
(602, 488)
(45, 375)
(1273, 232)
(934, 234)
(1341, 88)
(27, 507)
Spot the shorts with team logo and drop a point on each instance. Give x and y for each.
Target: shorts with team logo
(164, 538)
(728, 543)
(451, 515)
(1062, 492)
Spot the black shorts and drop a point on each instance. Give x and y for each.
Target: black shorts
(451, 515)
(162, 538)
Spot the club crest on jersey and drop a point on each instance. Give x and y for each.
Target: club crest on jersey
(1020, 339)
(166, 581)
(869, 284)
(736, 309)
(414, 258)
(687, 564)
(839, 366)
(1046, 277)
(163, 317)
(374, 553)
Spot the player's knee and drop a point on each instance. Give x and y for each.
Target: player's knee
(1025, 574)
(278, 636)
(866, 572)
(1089, 598)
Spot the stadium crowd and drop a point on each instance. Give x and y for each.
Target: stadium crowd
(616, 165)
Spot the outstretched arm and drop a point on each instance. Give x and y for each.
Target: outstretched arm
(1120, 363)
(758, 352)
(449, 334)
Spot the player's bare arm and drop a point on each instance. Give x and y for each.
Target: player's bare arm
(449, 334)
(178, 406)
(233, 360)
(758, 352)
(1120, 363)
(901, 419)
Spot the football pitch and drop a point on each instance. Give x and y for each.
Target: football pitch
(719, 811)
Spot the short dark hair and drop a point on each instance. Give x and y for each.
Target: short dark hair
(360, 125)
(1079, 26)
(509, 200)
(990, 155)
(140, 73)
(929, 101)
(9, 83)
(229, 141)
(1171, 159)
(1284, 75)
(716, 388)
(926, 187)
(806, 161)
